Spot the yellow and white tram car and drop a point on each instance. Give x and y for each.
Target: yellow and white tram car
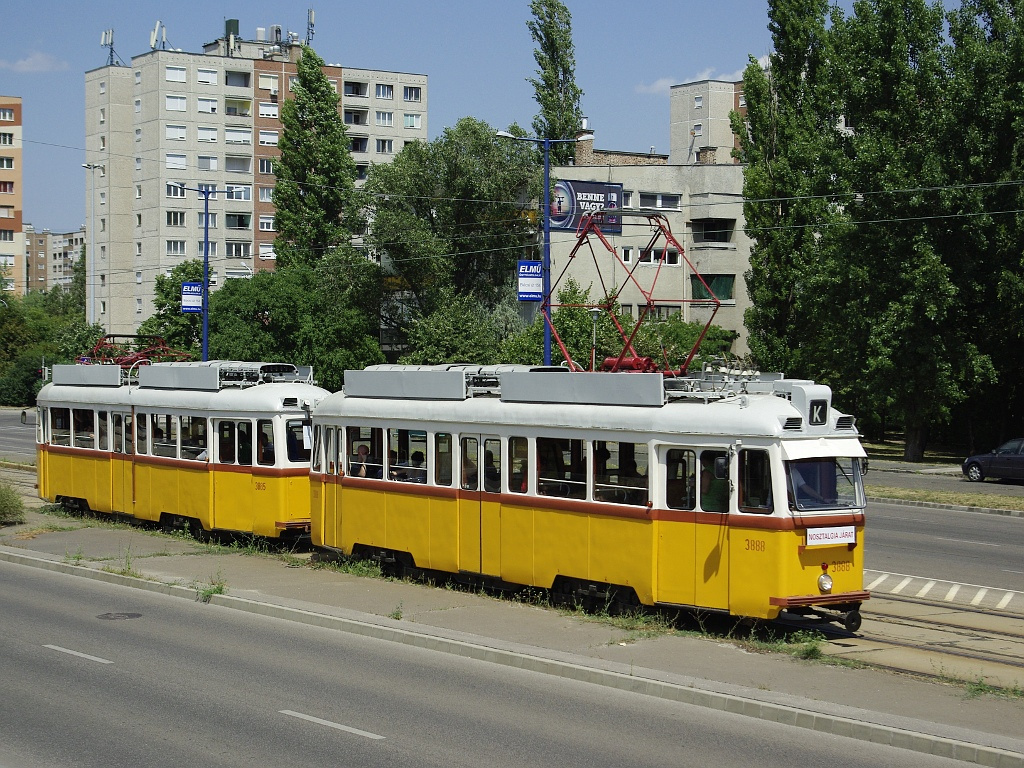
(735, 494)
(217, 446)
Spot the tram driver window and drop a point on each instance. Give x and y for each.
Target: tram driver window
(714, 481)
(60, 426)
(755, 482)
(365, 445)
(298, 438)
(561, 467)
(620, 472)
(681, 478)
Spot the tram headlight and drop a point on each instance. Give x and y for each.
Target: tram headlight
(825, 581)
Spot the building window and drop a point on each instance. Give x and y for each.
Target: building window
(138, 77)
(138, 163)
(239, 250)
(267, 82)
(207, 133)
(236, 79)
(712, 230)
(238, 135)
(722, 286)
(268, 110)
(698, 129)
(175, 190)
(654, 200)
(267, 165)
(175, 132)
(138, 105)
(237, 107)
(268, 138)
(237, 220)
(174, 74)
(411, 93)
(743, 100)
(207, 106)
(355, 117)
(213, 248)
(211, 189)
(202, 221)
(138, 134)
(138, 277)
(103, 225)
(103, 198)
(175, 162)
(6, 163)
(7, 115)
(355, 89)
(171, 103)
(175, 247)
(412, 120)
(362, 170)
(7, 187)
(385, 119)
(138, 223)
(266, 223)
(103, 306)
(103, 115)
(138, 191)
(238, 164)
(6, 139)
(207, 162)
(7, 235)
(698, 102)
(266, 194)
(138, 248)
(267, 251)
(206, 76)
(385, 91)
(385, 146)
(237, 192)
(359, 143)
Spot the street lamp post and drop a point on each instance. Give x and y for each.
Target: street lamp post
(206, 193)
(545, 145)
(91, 256)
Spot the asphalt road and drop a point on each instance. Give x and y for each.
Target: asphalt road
(17, 440)
(955, 483)
(96, 675)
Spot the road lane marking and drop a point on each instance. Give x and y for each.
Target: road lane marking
(980, 596)
(878, 581)
(76, 653)
(926, 589)
(952, 592)
(1005, 601)
(899, 587)
(329, 724)
(967, 541)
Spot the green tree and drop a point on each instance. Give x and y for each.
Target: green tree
(181, 330)
(450, 217)
(555, 88)
(314, 196)
(460, 330)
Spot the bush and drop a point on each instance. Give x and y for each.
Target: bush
(12, 509)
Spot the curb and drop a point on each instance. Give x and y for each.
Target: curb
(953, 507)
(569, 667)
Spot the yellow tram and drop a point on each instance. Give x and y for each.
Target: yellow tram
(217, 446)
(740, 494)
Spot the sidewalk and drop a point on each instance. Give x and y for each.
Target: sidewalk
(864, 704)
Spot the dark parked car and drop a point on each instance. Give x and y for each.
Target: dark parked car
(1005, 462)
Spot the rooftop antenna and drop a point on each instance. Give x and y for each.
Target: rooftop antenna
(107, 41)
(310, 20)
(160, 26)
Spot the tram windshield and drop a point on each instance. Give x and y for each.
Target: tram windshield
(826, 483)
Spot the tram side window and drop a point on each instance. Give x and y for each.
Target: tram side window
(755, 482)
(714, 487)
(492, 465)
(60, 426)
(561, 467)
(226, 441)
(245, 443)
(680, 478)
(470, 464)
(443, 459)
(518, 463)
(140, 433)
(128, 433)
(165, 435)
(193, 438)
(265, 453)
(330, 460)
(298, 435)
(364, 450)
(118, 428)
(85, 428)
(407, 455)
(101, 432)
(620, 472)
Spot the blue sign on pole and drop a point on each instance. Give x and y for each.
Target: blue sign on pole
(192, 297)
(531, 280)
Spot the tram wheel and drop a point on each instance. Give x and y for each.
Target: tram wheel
(852, 621)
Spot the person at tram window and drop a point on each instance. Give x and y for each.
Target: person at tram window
(805, 492)
(264, 448)
(363, 465)
(628, 474)
(492, 475)
(714, 491)
(416, 472)
(469, 474)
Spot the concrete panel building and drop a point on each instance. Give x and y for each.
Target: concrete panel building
(174, 123)
(12, 237)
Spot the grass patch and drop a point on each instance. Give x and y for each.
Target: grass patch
(125, 568)
(349, 565)
(216, 586)
(955, 498)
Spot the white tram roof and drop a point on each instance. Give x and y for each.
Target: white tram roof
(508, 396)
(210, 386)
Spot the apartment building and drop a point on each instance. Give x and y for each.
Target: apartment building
(12, 238)
(698, 187)
(178, 131)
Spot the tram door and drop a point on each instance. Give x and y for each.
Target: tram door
(480, 504)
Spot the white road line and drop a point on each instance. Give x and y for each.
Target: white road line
(966, 541)
(979, 597)
(878, 581)
(899, 587)
(952, 592)
(1005, 601)
(926, 589)
(329, 724)
(80, 655)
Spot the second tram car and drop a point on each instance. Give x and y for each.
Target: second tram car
(217, 446)
(735, 494)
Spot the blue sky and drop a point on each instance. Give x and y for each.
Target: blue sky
(477, 54)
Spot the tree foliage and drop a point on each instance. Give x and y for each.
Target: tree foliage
(555, 88)
(181, 330)
(314, 196)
